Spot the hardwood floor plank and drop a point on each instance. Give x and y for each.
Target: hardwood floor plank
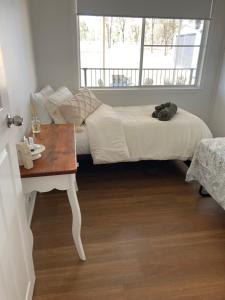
(147, 235)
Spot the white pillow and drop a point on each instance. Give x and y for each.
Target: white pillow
(55, 100)
(38, 101)
(78, 108)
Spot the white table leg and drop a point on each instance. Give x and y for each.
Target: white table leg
(76, 185)
(76, 226)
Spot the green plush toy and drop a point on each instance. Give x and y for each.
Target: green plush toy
(162, 106)
(165, 112)
(155, 114)
(158, 108)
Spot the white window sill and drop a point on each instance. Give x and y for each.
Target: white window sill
(146, 89)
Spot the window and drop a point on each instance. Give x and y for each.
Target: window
(117, 52)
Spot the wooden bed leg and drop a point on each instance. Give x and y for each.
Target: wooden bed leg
(187, 163)
(203, 192)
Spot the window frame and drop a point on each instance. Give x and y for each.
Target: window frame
(199, 68)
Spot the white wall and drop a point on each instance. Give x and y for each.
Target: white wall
(56, 57)
(52, 22)
(16, 43)
(217, 121)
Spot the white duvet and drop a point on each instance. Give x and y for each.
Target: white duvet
(118, 134)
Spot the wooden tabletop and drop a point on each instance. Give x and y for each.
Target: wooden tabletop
(59, 156)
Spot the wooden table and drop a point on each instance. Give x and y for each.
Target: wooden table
(56, 169)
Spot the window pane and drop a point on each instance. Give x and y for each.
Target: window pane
(169, 65)
(168, 77)
(110, 51)
(91, 49)
(170, 57)
(122, 45)
(173, 32)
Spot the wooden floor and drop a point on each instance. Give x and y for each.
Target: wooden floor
(147, 235)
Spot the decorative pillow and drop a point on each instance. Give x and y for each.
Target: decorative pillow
(77, 109)
(38, 101)
(55, 100)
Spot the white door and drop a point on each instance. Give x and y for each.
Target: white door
(16, 262)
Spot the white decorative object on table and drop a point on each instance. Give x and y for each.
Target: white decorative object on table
(208, 168)
(38, 149)
(24, 155)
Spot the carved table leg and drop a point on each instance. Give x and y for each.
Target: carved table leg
(76, 226)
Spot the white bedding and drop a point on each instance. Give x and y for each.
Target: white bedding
(106, 135)
(131, 134)
(82, 142)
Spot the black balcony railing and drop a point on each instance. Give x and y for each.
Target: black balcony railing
(118, 77)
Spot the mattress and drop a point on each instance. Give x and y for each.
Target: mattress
(177, 140)
(82, 142)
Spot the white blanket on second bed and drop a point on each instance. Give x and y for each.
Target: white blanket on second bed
(131, 134)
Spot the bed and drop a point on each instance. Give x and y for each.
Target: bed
(82, 142)
(208, 166)
(117, 134)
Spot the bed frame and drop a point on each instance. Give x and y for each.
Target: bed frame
(202, 191)
(83, 157)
